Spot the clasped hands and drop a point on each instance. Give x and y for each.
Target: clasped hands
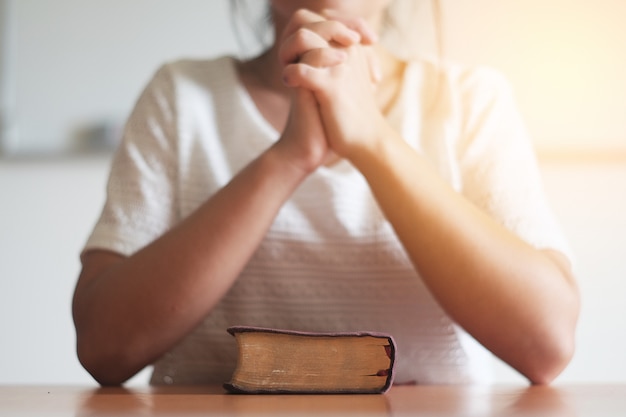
(329, 64)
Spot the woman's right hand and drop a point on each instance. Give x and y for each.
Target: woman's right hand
(304, 140)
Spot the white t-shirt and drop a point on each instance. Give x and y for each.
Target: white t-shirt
(330, 261)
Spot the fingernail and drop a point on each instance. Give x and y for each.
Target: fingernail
(341, 55)
(356, 37)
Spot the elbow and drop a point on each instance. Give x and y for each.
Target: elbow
(555, 344)
(550, 368)
(550, 361)
(108, 368)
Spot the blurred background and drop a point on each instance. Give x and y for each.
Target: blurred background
(70, 71)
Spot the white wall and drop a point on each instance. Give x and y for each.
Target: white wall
(565, 58)
(79, 64)
(48, 205)
(46, 209)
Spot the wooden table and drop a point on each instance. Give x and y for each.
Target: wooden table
(431, 401)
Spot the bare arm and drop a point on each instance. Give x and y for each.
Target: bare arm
(129, 311)
(519, 302)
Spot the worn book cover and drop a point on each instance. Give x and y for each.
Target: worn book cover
(284, 361)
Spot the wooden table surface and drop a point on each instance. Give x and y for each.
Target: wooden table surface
(431, 401)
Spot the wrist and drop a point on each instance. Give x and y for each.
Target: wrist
(297, 163)
(374, 148)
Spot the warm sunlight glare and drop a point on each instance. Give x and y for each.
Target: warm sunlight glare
(565, 59)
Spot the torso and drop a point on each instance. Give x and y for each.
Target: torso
(330, 261)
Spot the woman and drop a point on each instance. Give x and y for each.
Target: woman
(325, 185)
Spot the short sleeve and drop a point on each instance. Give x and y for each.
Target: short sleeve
(498, 165)
(140, 204)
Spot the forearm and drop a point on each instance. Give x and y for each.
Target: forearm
(516, 300)
(140, 307)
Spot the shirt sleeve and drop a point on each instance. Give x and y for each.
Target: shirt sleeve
(140, 204)
(498, 165)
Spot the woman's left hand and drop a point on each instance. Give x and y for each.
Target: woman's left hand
(346, 96)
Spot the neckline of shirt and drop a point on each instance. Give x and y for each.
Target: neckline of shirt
(395, 115)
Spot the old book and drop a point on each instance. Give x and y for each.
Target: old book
(280, 361)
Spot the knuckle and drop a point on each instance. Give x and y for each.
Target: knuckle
(302, 15)
(295, 72)
(300, 12)
(337, 25)
(360, 22)
(306, 39)
(301, 34)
